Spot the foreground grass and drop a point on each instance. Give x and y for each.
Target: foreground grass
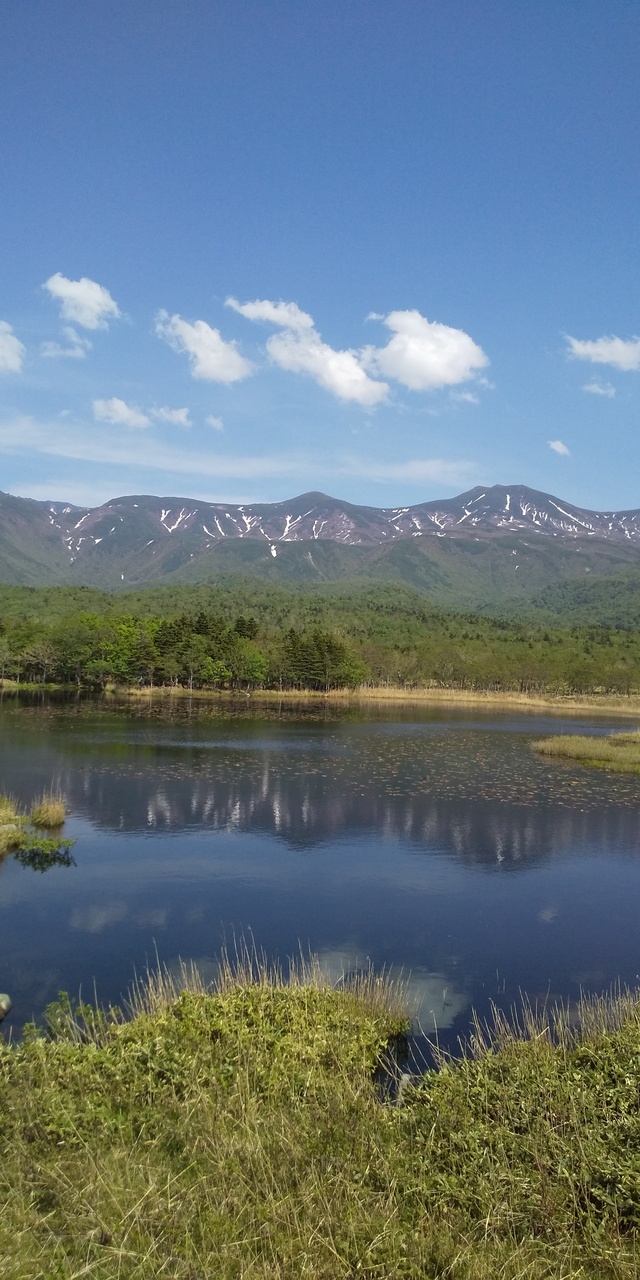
(240, 1134)
(619, 752)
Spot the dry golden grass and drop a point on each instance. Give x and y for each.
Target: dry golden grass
(619, 752)
(8, 809)
(50, 810)
(622, 704)
(11, 837)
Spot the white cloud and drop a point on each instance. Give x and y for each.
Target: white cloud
(12, 352)
(178, 417)
(559, 447)
(423, 354)
(285, 314)
(340, 372)
(211, 356)
(300, 349)
(83, 301)
(621, 354)
(120, 413)
(216, 423)
(600, 389)
(465, 397)
(76, 350)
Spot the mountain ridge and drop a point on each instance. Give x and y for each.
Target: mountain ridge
(483, 546)
(315, 516)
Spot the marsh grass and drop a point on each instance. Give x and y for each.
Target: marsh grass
(20, 835)
(235, 1131)
(11, 825)
(50, 810)
(8, 808)
(619, 752)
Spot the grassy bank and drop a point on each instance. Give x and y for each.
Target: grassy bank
(623, 704)
(240, 1134)
(619, 752)
(604, 703)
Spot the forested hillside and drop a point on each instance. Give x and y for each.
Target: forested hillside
(246, 635)
(613, 600)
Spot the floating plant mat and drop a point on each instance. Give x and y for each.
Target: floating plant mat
(617, 752)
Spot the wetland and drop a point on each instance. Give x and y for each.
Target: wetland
(426, 840)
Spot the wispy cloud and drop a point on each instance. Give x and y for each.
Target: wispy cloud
(600, 389)
(438, 471)
(286, 315)
(559, 447)
(24, 435)
(63, 439)
(120, 413)
(216, 423)
(83, 301)
(620, 352)
(76, 348)
(177, 417)
(12, 351)
(465, 397)
(210, 355)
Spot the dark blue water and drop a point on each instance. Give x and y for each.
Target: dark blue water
(428, 841)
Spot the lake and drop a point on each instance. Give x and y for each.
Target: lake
(427, 840)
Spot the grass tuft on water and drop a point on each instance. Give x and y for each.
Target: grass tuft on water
(619, 752)
(11, 829)
(50, 810)
(20, 836)
(236, 1131)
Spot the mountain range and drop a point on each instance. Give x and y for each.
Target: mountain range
(489, 545)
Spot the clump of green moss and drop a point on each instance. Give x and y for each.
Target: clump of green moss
(239, 1132)
(619, 752)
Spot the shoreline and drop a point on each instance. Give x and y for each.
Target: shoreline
(606, 704)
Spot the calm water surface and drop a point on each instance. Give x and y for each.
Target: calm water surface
(427, 840)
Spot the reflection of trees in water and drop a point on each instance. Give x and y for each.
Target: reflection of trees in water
(309, 810)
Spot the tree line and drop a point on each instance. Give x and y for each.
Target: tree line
(193, 652)
(372, 644)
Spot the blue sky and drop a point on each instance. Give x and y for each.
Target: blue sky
(387, 250)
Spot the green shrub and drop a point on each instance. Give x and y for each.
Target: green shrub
(240, 1134)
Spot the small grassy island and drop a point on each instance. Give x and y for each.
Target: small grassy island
(21, 833)
(617, 751)
(241, 1133)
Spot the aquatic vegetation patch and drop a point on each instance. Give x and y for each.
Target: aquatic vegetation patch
(20, 834)
(49, 811)
(238, 1132)
(619, 752)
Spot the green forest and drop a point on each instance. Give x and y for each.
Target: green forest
(243, 636)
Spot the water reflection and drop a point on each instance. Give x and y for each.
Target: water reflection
(438, 846)
(307, 808)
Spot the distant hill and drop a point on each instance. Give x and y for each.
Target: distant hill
(498, 548)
